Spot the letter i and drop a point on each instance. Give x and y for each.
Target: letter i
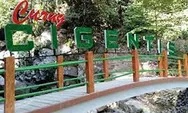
(54, 36)
(159, 46)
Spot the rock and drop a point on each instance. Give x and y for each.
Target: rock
(17, 85)
(44, 40)
(71, 71)
(81, 67)
(92, 111)
(4, 54)
(71, 82)
(168, 101)
(148, 65)
(45, 52)
(64, 49)
(1, 80)
(41, 75)
(22, 54)
(1, 64)
(18, 62)
(110, 109)
(119, 65)
(133, 106)
(98, 68)
(20, 85)
(182, 102)
(101, 109)
(2, 43)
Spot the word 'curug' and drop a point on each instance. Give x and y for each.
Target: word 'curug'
(22, 9)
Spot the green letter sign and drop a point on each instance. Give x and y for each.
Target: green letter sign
(171, 49)
(132, 41)
(83, 37)
(159, 46)
(148, 39)
(111, 38)
(9, 31)
(54, 36)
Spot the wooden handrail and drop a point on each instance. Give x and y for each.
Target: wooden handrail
(105, 66)
(165, 63)
(160, 65)
(9, 68)
(89, 72)
(179, 69)
(135, 65)
(9, 106)
(60, 72)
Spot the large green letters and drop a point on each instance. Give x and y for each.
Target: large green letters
(159, 46)
(111, 39)
(9, 31)
(54, 36)
(148, 39)
(171, 49)
(83, 37)
(132, 41)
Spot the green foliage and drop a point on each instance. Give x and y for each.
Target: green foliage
(164, 6)
(5, 11)
(82, 13)
(135, 19)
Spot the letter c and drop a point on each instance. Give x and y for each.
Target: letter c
(9, 30)
(20, 10)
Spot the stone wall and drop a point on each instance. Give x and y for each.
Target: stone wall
(168, 101)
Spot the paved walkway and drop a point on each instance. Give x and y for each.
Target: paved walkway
(43, 101)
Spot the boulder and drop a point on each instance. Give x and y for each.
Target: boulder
(4, 54)
(148, 65)
(17, 85)
(1, 80)
(71, 71)
(64, 49)
(41, 75)
(44, 40)
(182, 102)
(167, 101)
(1, 64)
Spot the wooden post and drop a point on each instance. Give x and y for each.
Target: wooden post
(185, 62)
(165, 63)
(105, 67)
(160, 65)
(179, 69)
(9, 106)
(60, 76)
(135, 65)
(89, 72)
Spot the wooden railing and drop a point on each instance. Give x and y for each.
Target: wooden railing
(9, 73)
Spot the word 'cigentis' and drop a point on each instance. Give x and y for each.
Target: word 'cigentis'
(22, 9)
(83, 38)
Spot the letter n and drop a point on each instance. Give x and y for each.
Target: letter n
(132, 41)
